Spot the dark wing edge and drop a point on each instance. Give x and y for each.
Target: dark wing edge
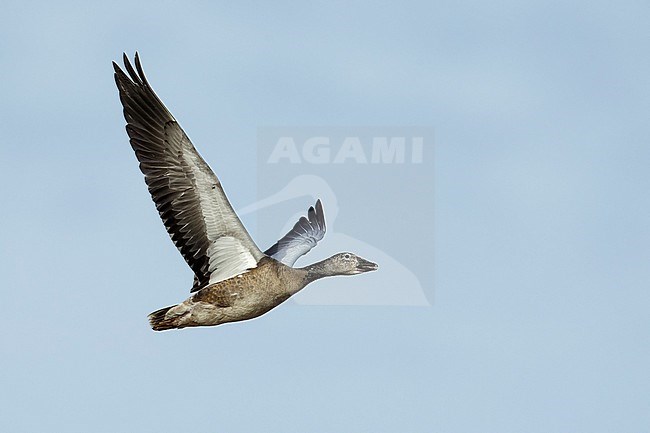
(304, 236)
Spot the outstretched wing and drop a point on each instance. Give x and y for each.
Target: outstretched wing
(188, 195)
(304, 236)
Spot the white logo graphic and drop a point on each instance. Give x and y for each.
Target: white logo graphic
(321, 150)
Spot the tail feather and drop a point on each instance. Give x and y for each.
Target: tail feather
(159, 321)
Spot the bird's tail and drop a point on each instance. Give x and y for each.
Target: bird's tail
(159, 320)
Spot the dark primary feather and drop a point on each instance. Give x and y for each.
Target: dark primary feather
(304, 236)
(187, 194)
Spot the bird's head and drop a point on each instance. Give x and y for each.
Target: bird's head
(349, 264)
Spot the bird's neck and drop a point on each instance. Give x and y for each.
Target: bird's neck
(317, 271)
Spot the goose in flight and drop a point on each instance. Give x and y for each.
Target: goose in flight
(233, 279)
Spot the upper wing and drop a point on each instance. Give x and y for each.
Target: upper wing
(187, 194)
(304, 236)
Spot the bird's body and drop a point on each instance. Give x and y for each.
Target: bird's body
(241, 297)
(233, 279)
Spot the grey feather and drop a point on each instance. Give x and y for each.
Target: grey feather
(304, 236)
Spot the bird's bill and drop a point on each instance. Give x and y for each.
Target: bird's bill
(366, 266)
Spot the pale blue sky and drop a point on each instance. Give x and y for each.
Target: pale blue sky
(539, 319)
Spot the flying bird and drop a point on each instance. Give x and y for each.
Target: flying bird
(233, 279)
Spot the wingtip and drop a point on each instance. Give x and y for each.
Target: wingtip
(138, 67)
(320, 214)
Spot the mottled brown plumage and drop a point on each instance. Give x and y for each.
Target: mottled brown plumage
(243, 297)
(267, 285)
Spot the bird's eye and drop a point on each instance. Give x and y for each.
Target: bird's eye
(346, 256)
